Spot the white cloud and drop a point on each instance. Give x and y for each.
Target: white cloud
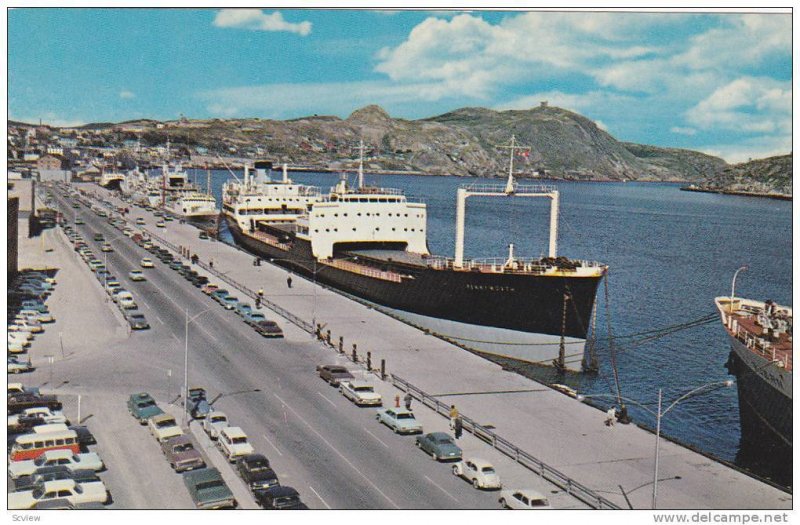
(748, 104)
(125, 94)
(683, 130)
(759, 147)
(258, 20)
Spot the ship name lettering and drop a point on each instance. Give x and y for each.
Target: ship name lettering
(490, 288)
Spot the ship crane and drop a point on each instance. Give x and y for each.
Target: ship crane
(511, 188)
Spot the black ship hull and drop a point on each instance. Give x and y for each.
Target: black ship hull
(519, 316)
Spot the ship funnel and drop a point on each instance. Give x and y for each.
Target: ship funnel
(285, 174)
(261, 167)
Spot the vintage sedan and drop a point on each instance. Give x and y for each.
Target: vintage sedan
(334, 374)
(163, 427)
(50, 458)
(255, 471)
(479, 472)
(214, 423)
(142, 406)
(524, 499)
(401, 421)
(361, 393)
(147, 263)
(182, 454)
(440, 446)
(72, 491)
(15, 366)
(208, 490)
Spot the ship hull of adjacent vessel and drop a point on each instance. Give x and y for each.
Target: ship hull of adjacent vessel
(765, 401)
(519, 316)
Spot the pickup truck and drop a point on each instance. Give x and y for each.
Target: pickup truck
(198, 403)
(334, 374)
(208, 490)
(182, 454)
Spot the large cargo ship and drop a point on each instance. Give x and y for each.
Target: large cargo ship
(371, 243)
(760, 334)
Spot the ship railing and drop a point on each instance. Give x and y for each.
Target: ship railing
(502, 445)
(501, 188)
(365, 270)
(500, 265)
(269, 239)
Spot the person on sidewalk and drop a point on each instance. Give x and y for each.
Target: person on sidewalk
(408, 399)
(453, 416)
(611, 416)
(289, 281)
(459, 427)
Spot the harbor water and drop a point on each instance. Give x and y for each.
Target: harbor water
(669, 254)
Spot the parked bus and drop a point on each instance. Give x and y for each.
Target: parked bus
(44, 437)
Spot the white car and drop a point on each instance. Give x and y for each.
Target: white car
(20, 331)
(22, 338)
(106, 248)
(214, 423)
(161, 224)
(147, 263)
(49, 416)
(137, 275)
(51, 458)
(233, 443)
(15, 367)
(479, 472)
(15, 348)
(360, 393)
(69, 489)
(163, 427)
(524, 499)
(33, 314)
(140, 221)
(28, 325)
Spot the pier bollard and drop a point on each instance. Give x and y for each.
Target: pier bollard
(369, 361)
(318, 332)
(383, 369)
(341, 344)
(397, 401)
(328, 336)
(355, 355)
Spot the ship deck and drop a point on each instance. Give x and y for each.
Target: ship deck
(779, 350)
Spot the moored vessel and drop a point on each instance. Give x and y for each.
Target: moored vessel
(371, 243)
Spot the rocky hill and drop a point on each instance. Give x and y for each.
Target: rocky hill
(462, 142)
(770, 176)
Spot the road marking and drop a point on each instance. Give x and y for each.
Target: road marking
(320, 436)
(320, 497)
(326, 399)
(273, 446)
(440, 488)
(376, 437)
(159, 319)
(175, 337)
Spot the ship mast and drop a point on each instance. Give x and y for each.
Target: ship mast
(361, 165)
(510, 189)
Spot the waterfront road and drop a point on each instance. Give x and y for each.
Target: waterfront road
(335, 454)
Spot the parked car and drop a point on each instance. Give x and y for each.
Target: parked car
(360, 392)
(439, 445)
(85, 436)
(142, 406)
(136, 275)
(72, 491)
(198, 403)
(208, 490)
(253, 318)
(126, 302)
(479, 472)
(163, 427)
(214, 423)
(140, 221)
(209, 288)
(279, 498)
(219, 294)
(334, 374)
(524, 499)
(161, 224)
(17, 403)
(147, 263)
(17, 367)
(43, 413)
(233, 443)
(229, 302)
(256, 473)
(54, 473)
(106, 248)
(51, 458)
(182, 454)
(401, 421)
(137, 320)
(269, 329)
(18, 388)
(243, 308)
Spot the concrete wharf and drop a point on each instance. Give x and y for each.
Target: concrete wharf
(615, 462)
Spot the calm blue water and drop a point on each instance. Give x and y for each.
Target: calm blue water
(669, 252)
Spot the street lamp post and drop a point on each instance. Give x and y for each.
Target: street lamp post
(186, 363)
(314, 272)
(659, 414)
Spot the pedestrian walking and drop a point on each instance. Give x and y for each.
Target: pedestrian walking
(261, 292)
(289, 281)
(210, 263)
(258, 302)
(611, 416)
(459, 427)
(453, 416)
(408, 399)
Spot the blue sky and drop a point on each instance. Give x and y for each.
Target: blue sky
(718, 83)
